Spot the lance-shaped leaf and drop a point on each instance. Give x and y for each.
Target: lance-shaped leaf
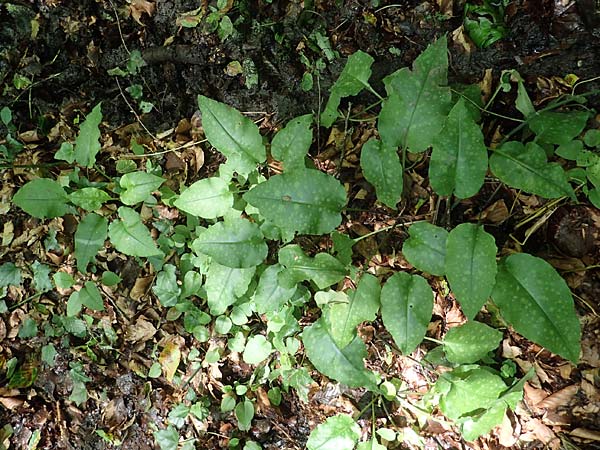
(130, 236)
(236, 243)
(324, 270)
(353, 79)
(291, 144)
(418, 101)
(359, 306)
(233, 134)
(537, 302)
(558, 127)
(426, 248)
(342, 364)
(305, 201)
(138, 186)
(270, 295)
(526, 167)
(87, 144)
(225, 285)
(89, 239)
(470, 342)
(406, 308)
(459, 158)
(42, 198)
(381, 167)
(471, 266)
(208, 198)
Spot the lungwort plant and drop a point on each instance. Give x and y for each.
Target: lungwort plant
(235, 257)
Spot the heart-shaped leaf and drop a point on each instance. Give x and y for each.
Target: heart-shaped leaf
(89, 198)
(89, 239)
(305, 201)
(236, 243)
(324, 270)
(270, 295)
(537, 302)
(225, 285)
(381, 167)
(342, 364)
(130, 236)
(406, 308)
(470, 342)
(459, 158)
(42, 198)
(88, 296)
(138, 186)
(426, 247)
(471, 266)
(209, 198)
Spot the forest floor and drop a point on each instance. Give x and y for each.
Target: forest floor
(55, 61)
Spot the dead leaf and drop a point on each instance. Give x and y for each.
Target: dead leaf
(506, 433)
(141, 286)
(584, 433)
(169, 359)
(141, 331)
(560, 398)
(139, 7)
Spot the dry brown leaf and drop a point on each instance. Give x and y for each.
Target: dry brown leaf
(139, 7)
(584, 433)
(532, 395)
(141, 331)
(497, 212)
(506, 433)
(460, 38)
(169, 359)
(11, 403)
(141, 286)
(534, 429)
(560, 398)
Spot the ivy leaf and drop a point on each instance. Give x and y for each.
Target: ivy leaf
(130, 236)
(87, 144)
(525, 167)
(342, 364)
(459, 158)
(89, 239)
(324, 270)
(225, 285)
(558, 127)
(406, 308)
(360, 306)
(381, 167)
(537, 302)
(138, 186)
(305, 201)
(471, 266)
(89, 198)
(418, 101)
(41, 277)
(426, 248)
(353, 79)
(10, 275)
(236, 243)
(291, 144)
(166, 287)
(209, 198)
(470, 342)
(257, 350)
(270, 295)
(42, 198)
(233, 134)
(88, 296)
(339, 432)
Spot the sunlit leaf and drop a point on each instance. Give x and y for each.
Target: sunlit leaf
(89, 239)
(89, 198)
(339, 432)
(87, 144)
(208, 198)
(42, 198)
(138, 186)
(225, 285)
(381, 167)
(426, 247)
(270, 295)
(257, 349)
(323, 269)
(130, 236)
(470, 342)
(88, 296)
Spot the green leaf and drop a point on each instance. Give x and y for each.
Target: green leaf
(592, 138)
(270, 295)
(471, 266)
(234, 135)
(89, 198)
(342, 247)
(406, 308)
(418, 101)
(571, 150)
(110, 278)
(41, 277)
(87, 144)
(10, 275)
(88, 296)
(236, 243)
(28, 328)
(360, 306)
(370, 445)
(49, 354)
(257, 350)
(324, 270)
(130, 236)
(426, 248)
(305, 201)
(89, 239)
(353, 79)
(557, 127)
(42, 198)
(167, 439)
(470, 342)
(138, 186)
(63, 280)
(66, 152)
(342, 364)
(225, 285)
(459, 158)
(166, 288)
(291, 144)
(381, 167)
(526, 168)
(244, 413)
(209, 198)
(537, 302)
(339, 432)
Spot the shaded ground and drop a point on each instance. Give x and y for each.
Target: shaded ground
(67, 62)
